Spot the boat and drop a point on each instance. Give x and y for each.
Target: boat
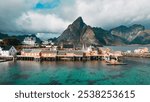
(114, 62)
(66, 59)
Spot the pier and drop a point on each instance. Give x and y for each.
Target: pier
(5, 59)
(60, 58)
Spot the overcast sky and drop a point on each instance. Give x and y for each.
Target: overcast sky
(55, 15)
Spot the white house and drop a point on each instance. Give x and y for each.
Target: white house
(141, 50)
(128, 51)
(29, 41)
(8, 51)
(1, 40)
(0, 50)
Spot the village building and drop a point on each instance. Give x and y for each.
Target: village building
(70, 53)
(78, 53)
(54, 48)
(104, 50)
(48, 53)
(47, 46)
(94, 53)
(87, 54)
(88, 51)
(31, 52)
(47, 42)
(1, 40)
(128, 51)
(141, 50)
(8, 51)
(68, 47)
(0, 50)
(29, 41)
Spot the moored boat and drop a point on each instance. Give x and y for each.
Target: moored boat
(115, 62)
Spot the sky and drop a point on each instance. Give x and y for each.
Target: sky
(43, 16)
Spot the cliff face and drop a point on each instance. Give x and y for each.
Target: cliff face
(127, 33)
(73, 32)
(89, 37)
(143, 37)
(79, 33)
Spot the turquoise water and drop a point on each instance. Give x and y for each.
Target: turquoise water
(137, 72)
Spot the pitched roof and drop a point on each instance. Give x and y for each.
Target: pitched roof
(77, 52)
(36, 50)
(7, 47)
(26, 50)
(61, 52)
(47, 51)
(68, 46)
(32, 50)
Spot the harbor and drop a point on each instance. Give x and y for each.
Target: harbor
(49, 51)
(77, 67)
(110, 56)
(5, 59)
(136, 72)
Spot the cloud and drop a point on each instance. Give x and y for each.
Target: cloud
(107, 14)
(10, 11)
(55, 15)
(36, 22)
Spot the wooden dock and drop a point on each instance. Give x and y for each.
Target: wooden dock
(5, 59)
(2, 61)
(60, 58)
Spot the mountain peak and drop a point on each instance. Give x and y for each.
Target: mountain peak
(138, 26)
(78, 23)
(79, 19)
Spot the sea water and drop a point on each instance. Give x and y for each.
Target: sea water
(136, 72)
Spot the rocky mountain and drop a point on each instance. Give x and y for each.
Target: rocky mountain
(143, 37)
(127, 33)
(135, 34)
(78, 33)
(73, 33)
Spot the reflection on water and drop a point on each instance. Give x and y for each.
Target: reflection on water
(75, 73)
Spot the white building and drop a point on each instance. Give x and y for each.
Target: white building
(53, 48)
(128, 51)
(29, 41)
(1, 40)
(0, 50)
(141, 50)
(8, 51)
(47, 43)
(87, 49)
